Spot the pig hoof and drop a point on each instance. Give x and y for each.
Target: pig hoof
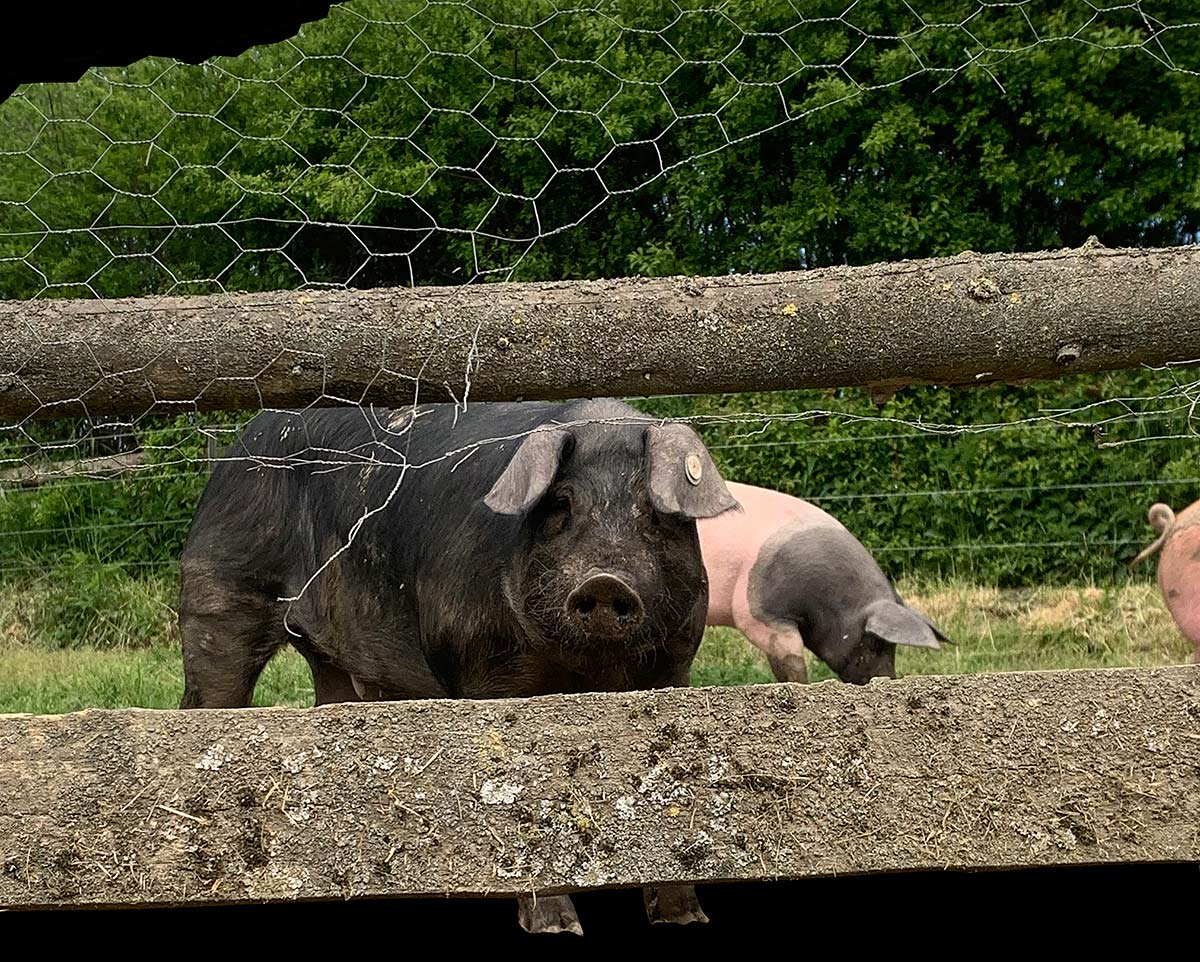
(677, 905)
(553, 914)
(789, 668)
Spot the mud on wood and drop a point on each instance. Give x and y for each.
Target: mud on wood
(587, 791)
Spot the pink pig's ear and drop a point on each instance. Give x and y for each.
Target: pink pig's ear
(898, 625)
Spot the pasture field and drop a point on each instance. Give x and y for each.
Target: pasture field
(112, 642)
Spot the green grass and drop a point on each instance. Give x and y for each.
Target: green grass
(53, 682)
(111, 642)
(1013, 630)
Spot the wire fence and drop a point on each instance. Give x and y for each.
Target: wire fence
(175, 465)
(406, 143)
(400, 143)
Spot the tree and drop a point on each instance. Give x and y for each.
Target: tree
(402, 142)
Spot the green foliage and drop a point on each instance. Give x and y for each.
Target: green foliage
(367, 151)
(1023, 505)
(1011, 127)
(54, 682)
(92, 606)
(137, 519)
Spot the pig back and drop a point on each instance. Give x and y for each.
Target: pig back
(406, 486)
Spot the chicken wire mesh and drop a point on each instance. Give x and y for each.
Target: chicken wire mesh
(398, 144)
(405, 143)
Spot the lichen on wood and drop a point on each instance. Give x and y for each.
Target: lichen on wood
(969, 319)
(566, 793)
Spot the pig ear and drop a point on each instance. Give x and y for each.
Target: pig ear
(900, 625)
(529, 473)
(937, 632)
(683, 478)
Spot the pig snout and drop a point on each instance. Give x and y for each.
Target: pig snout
(605, 607)
(863, 676)
(866, 664)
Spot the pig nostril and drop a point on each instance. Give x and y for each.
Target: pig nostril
(604, 606)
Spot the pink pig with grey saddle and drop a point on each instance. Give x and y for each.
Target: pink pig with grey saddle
(788, 575)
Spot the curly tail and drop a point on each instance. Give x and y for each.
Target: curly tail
(1162, 520)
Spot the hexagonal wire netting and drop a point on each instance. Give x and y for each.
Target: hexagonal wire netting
(413, 143)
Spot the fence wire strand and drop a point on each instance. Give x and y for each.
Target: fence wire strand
(415, 143)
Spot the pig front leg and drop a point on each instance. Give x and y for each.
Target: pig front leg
(789, 668)
(783, 646)
(553, 914)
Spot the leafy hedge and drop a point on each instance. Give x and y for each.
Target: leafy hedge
(1047, 498)
(209, 171)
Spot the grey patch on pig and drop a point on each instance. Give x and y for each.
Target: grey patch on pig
(821, 579)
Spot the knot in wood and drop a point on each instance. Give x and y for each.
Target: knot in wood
(983, 289)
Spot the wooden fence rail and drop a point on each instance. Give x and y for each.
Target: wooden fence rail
(968, 319)
(555, 794)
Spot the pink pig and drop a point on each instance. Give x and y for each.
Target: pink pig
(786, 574)
(1178, 565)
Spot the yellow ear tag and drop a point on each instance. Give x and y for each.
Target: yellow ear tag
(694, 468)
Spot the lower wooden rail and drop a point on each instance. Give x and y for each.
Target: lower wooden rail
(565, 793)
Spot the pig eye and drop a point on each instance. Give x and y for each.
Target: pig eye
(558, 512)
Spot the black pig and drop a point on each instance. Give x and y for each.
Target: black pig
(511, 549)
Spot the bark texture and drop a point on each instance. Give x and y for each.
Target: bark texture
(970, 319)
